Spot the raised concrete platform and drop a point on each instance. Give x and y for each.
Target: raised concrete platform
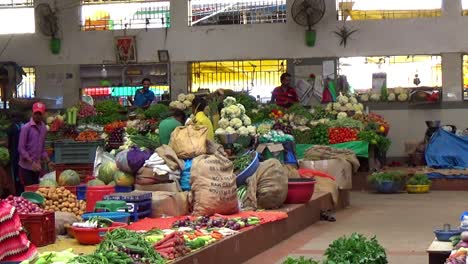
(245, 245)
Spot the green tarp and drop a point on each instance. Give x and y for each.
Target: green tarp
(361, 148)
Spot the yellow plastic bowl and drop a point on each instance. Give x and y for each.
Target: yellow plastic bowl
(417, 188)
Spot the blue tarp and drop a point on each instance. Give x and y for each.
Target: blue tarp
(447, 151)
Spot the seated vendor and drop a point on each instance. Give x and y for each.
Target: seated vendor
(284, 95)
(198, 107)
(168, 125)
(144, 96)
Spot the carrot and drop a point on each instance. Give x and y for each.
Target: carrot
(164, 255)
(167, 250)
(166, 238)
(198, 233)
(166, 245)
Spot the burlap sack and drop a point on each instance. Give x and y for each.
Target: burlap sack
(146, 176)
(169, 204)
(161, 187)
(213, 185)
(189, 141)
(268, 187)
(292, 172)
(213, 147)
(170, 157)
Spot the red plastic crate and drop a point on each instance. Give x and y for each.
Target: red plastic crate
(84, 170)
(35, 187)
(40, 228)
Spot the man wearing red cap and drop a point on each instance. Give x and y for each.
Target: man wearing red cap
(31, 146)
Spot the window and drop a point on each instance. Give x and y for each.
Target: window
(465, 7)
(387, 9)
(258, 77)
(18, 15)
(465, 77)
(27, 88)
(228, 12)
(124, 14)
(400, 70)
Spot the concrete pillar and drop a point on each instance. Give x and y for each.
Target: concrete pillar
(451, 8)
(179, 78)
(452, 76)
(179, 14)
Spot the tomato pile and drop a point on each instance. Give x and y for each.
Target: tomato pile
(342, 134)
(117, 125)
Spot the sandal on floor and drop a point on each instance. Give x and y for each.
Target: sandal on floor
(327, 216)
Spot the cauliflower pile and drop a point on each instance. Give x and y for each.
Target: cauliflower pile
(183, 102)
(397, 94)
(345, 104)
(234, 120)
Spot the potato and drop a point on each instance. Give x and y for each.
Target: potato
(75, 210)
(64, 209)
(56, 203)
(66, 204)
(71, 200)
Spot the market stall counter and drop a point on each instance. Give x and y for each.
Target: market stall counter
(439, 251)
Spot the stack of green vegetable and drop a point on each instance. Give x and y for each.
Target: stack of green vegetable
(242, 162)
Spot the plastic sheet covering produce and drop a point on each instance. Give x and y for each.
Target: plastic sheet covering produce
(447, 151)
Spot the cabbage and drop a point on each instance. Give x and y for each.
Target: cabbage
(69, 178)
(364, 97)
(96, 182)
(4, 156)
(48, 183)
(391, 97)
(107, 171)
(402, 97)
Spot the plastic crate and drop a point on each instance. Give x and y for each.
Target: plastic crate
(35, 187)
(123, 189)
(40, 228)
(84, 170)
(135, 196)
(81, 192)
(139, 207)
(73, 152)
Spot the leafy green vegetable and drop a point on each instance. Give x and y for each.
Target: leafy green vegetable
(318, 135)
(4, 156)
(108, 107)
(157, 111)
(247, 101)
(145, 141)
(419, 179)
(242, 162)
(356, 249)
(300, 260)
(379, 177)
(319, 113)
(346, 122)
(382, 143)
(300, 110)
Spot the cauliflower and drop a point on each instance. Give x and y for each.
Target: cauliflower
(329, 107)
(342, 99)
(223, 113)
(188, 103)
(391, 97)
(375, 97)
(242, 109)
(358, 113)
(399, 90)
(336, 106)
(220, 131)
(252, 130)
(364, 97)
(246, 120)
(190, 97)
(243, 131)
(233, 111)
(353, 100)
(235, 123)
(341, 115)
(229, 101)
(181, 97)
(223, 123)
(173, 104)
(230, 130)
(403, 97)
(181, 106)
(349, 106)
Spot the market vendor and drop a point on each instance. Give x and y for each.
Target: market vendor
(13, 141)
(284, 95)
(168, 125)
(31, 147)
(144, 96)
(198, 107)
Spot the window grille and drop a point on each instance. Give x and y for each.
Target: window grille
(27, 88)
(236, 12)
(115, 15)
(16, 3)
(258, 77)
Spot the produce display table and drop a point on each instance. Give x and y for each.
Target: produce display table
(439, 251)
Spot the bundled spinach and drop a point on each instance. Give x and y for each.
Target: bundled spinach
(356, 249)
(300, 260)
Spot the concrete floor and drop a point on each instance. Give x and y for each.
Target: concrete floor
(403, 224)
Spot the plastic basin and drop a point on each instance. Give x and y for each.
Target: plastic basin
(417, 188)
(300, 190)
(120, 217)
(249, 171)
(33, 197)
(443, 235)
(387, 187)
(93, 236)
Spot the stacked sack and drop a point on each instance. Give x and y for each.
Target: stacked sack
(14, 243)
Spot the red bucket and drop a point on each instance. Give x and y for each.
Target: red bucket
(95, 194)
(300, 190)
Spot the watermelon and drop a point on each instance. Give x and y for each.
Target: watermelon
(107, 171)
(112, 183)
(96, 182)
(48, 183)
(124, 179)
(69, 178)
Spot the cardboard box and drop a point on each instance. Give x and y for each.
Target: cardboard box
(162, 187)
(168, 204)
(271, 150)
(342, 170)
